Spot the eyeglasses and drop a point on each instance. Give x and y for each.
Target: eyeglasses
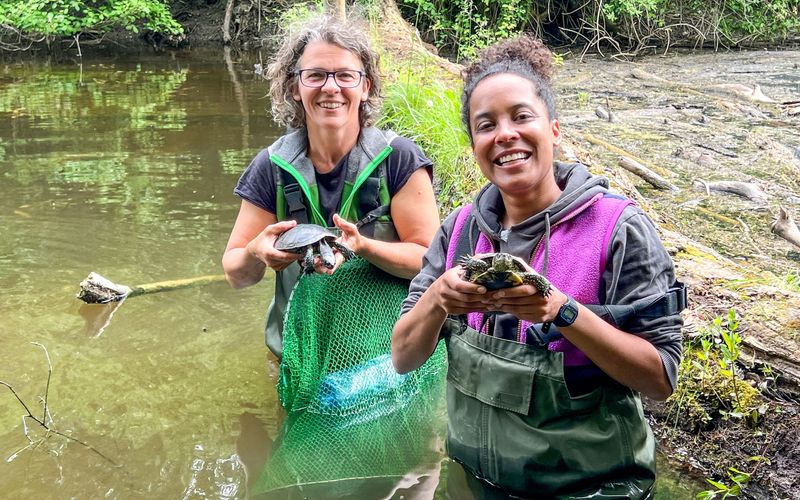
(316, 78)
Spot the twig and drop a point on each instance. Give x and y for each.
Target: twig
(46, 417)
(615, 149)
(723, 153)
(749, 236)
(96, 289)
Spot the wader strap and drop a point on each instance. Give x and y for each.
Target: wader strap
(369, 195)
(294, 198)
(373, 214)
(671, 302)
(463, 242)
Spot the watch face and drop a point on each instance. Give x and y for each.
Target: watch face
(567, 314)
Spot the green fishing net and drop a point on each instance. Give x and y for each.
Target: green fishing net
(350, 415)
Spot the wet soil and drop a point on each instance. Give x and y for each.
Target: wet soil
(693, 118)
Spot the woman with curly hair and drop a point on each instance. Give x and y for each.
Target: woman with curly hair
(543, 384)
(333, 168)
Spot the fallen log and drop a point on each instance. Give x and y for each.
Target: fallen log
(615, 149)
(785, 227)
(751, 93)
(744, 189)
(96, 289)
(645, 173)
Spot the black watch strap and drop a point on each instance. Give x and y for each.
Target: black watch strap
(567, 314)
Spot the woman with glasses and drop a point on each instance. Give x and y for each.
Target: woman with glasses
(332, 329)
(325, 88)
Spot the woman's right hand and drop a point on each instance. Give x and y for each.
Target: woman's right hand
(456, 296)
(262, 247)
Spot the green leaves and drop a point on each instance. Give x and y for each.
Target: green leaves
(465, 26)
(73, 17)
(739, 480)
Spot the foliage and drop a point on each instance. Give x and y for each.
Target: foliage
(718, 22)
(51, 18)
(710, 387)
(738, 479)
(793, 280)
(424, 109)
(463, 26)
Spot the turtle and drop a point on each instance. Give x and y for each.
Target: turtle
(312, 240)
(501, 270)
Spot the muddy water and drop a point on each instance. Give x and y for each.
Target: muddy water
(125, 165)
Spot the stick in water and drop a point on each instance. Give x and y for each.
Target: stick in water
(96, 289)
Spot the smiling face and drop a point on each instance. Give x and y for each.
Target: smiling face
(331, 106)
(513, 138)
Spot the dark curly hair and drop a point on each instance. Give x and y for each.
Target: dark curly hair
(525, 56)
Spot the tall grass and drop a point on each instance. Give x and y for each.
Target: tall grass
(427, 109)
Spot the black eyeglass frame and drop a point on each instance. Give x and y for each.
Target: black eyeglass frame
(328, 74)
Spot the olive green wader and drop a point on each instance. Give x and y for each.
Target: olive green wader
(513, 423)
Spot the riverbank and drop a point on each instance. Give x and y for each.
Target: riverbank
(689, 118)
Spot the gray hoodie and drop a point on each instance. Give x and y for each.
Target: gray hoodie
(638, 265)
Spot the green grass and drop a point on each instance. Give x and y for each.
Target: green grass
(425, 109)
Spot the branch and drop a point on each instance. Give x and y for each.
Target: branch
(645, 173)
(744, 189)
(96, 289)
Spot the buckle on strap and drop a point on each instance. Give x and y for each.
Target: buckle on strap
(677, 297)
(542, 334)
(294, 200)
(374, 214)
(674, 300)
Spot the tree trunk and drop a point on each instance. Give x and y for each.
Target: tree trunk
(226, 23)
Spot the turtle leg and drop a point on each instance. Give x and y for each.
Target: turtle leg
(308, 260)
(472, 266)
(540, 282)
(326, 254)
(345, 251)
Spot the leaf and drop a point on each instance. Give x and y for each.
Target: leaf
(717, 485)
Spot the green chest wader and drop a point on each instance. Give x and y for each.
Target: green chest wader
(513, 423)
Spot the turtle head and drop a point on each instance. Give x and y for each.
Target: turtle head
(503, 262)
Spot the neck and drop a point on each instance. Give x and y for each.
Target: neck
(522, 207)
(327, 146)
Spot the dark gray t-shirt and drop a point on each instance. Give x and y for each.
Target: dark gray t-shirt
(257, 184)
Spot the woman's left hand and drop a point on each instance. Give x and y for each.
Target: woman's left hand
(525, 302)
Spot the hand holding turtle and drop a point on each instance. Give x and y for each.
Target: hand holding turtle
(527, 303)
(515, 288)
(263, 248)
(456, 296)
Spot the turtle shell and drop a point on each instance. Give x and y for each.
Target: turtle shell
(301, 236)
(501, 273)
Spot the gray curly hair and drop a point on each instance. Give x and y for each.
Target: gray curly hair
(321, 28)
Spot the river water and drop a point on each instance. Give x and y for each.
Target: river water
(124, 165)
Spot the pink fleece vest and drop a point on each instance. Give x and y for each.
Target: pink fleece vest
(578, 254)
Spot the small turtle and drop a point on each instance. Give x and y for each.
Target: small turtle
(311, 240)
(501, 270)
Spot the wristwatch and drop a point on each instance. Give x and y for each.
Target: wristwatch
(567, 314)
